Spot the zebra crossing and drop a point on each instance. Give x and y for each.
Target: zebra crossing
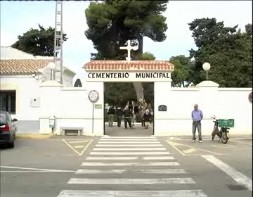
(130, 167)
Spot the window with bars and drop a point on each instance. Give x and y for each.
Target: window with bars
(8, 101)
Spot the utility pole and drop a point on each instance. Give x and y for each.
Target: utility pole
(58, 42)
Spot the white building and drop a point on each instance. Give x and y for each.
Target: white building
(21, 75)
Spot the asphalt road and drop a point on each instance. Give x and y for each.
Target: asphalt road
(126, 166)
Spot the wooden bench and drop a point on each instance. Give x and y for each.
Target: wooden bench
(78, 129)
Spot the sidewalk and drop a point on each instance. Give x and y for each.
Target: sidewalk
(137, 130)
(33, 136)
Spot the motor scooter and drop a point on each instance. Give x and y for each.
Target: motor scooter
(222, 133)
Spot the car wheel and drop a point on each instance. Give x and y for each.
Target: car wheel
(11, 144)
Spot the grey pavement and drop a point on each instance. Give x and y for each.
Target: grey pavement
(57, 166)
(137, 130)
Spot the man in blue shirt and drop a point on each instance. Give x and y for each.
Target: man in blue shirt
(197, 116)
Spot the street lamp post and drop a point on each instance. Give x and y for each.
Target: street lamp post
(206, 66)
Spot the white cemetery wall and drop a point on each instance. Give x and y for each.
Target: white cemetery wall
(71, 108)
(179, 101)
(225, 103)
(234, 103)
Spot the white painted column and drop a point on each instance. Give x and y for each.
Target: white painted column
(161, 92)
(208, 103)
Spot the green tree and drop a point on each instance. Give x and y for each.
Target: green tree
(37, 41)
(118, 93)
(181, 74)
(146, 56)
(111, 23)
(228, 50)
(232, 62)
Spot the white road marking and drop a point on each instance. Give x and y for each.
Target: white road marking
(132, 181)
(74, 142)
(176, 138)
(79, 146)
(129, 145)
(215, 153)
(129, 138)
(127, 149)
(131, 164)
(236, 175)
(129, 153)
(163, 171)
(120, 171)
(89, 171)
(175, 144)
(111, 158)
(110, 137)
(73, 148)
(158, 158)
(127, 142)
(191, 150)
(106, 193)
(116, 149)
(35, 171)
(25, 169)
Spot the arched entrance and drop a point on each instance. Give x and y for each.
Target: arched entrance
(108, 71)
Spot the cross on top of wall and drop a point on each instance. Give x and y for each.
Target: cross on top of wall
(129, 48)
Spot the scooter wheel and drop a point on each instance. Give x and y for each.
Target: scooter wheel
(224, 138)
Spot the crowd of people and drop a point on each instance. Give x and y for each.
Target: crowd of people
(130, 112)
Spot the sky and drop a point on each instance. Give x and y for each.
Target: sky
(18, 17)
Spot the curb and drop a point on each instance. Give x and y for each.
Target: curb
(33, 136)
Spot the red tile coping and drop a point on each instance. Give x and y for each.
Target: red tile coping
(121, 65)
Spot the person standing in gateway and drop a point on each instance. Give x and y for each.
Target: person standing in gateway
(127, 117)
(119, 113)
(111, 113)
(197, 116)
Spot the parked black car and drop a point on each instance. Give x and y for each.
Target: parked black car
(8, 129)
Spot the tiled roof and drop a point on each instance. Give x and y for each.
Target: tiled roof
(121, 65)
(14, 61)
(23, 66)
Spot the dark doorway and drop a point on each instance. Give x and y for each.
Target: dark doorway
(120, 95)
